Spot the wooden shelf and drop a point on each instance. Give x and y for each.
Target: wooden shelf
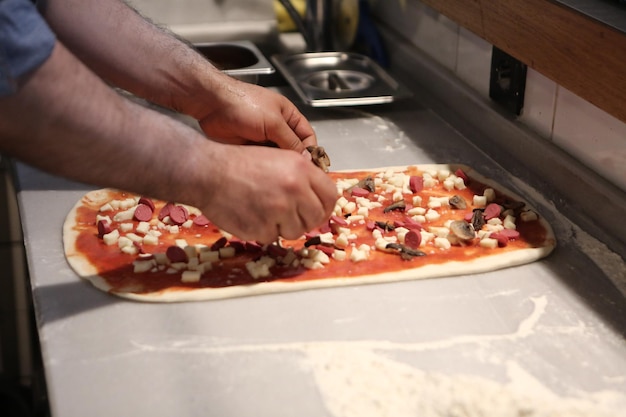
(580, 53)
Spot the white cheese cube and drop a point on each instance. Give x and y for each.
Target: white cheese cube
(204, 267)
(143, 228)
(100, 217)
(125, 215)
(495, 221)
(135, 238)
(434, 202)
(311, 264)
(426, 237)
(319, 256)
(190, 276)
(415, 211)
(181, 243)
(364, 247)
(417, 200)
(483, 234)
(442, 243)
(128, 203)
(327, 238)
(126, 227)
(355, 218)
(449, 184)
(459, 184)
(161, 258)
(349, 207)
(397, 196)
(339, 255)
(193, 264)
(363, 211)
(227, 252)
(150, 239)
(489, 194)
(439, 231)
(528, 216)
(442, 174)
(381, 244)
(430, 182)
(431, 215)
(191, 252)
(489, 243)
(341, 241)
(509, 222)
(187, 224)
(419, 218)
(479, 201)
(129, 250)
(258, 269)
(357, 255)
(341, 202)
(209, 256)
(141, 266)
(111, 237)
(106, 207)
(173, 229)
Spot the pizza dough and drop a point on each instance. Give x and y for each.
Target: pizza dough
(215, 265)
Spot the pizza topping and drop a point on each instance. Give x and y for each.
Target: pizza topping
(176, 254)
(412, 239)
(416, 184)
(319, 157)
(398, 205)
(462, 230)
(143, 212)
(359, 192)
(104, 227)
(457, 202)
(405, 252)
(201, 220)
(493, 210)
(178, 214)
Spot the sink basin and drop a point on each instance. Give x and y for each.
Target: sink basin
(239, 59)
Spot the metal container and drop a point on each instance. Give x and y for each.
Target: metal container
(325, 79)
(239, 59)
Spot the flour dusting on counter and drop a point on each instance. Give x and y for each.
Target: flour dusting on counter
(362, 383)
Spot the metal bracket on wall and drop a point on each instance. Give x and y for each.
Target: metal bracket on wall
(507, 81)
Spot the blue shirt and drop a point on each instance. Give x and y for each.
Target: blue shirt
(26, 41)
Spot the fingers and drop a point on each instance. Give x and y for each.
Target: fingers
(293, 131)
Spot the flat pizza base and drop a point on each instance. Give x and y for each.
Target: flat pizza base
(453, 268)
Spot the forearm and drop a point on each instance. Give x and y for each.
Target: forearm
(132, 53)
(67, 121)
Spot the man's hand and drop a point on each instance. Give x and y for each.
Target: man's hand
(249, 113)
(265, 192)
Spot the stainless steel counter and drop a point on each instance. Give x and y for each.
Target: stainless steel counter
(529, 340)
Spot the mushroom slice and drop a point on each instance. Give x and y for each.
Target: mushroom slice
(319, 157)
(398, 205)
(368, 184)
(462, 229)
(405, 252)
(457, 202)
(478, 219)
(386, 226)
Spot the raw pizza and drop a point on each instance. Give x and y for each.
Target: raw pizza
(389, 224)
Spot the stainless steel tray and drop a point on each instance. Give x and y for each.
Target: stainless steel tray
(325, 79)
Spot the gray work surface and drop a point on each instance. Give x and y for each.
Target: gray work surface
(539, 338)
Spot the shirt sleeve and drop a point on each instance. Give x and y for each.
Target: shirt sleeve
(26, 41)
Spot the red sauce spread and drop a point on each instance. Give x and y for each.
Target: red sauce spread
(117, 267)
